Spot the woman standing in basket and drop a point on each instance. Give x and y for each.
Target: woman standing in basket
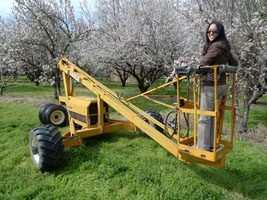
(216, 51)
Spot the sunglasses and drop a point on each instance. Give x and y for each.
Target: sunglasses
(214, 32)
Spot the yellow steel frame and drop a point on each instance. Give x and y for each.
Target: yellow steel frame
(184, 148)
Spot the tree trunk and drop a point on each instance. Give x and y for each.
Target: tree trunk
(56, 86)
(142, 87)
(1, 91)
(242, 123)
(123, 83)
(242, 119)
(141, 82)
(123, 75)
(37, 83)
(57, 91)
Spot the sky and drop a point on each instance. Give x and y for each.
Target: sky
(6, 5)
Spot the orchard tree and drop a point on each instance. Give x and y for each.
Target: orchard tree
(8, 76)
(137, 37)
(9, 73)
(9, 68)
(250, 36)
(43, 31)
(18, 52)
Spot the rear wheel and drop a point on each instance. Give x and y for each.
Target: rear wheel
(156, 115)
(42, 110)
(46, 146)
(54, 114)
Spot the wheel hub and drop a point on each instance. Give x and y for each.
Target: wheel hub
(57, 117)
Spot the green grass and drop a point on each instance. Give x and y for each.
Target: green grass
(256, 116)
(25, 90)
(120, 165)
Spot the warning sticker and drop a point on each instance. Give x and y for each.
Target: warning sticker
(74, 76)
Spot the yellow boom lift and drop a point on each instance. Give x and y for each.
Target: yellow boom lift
(90, 116)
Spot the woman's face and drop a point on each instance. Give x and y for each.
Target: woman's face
(212, 32)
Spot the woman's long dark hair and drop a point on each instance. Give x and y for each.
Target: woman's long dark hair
(221, 36)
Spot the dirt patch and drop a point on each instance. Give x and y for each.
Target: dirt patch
(81, 89)
(257, 135)
(259, 105)
(35, 101)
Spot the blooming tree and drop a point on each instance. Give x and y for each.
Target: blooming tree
(9, 68)
(8, 75)
(42, 32)
(22, 57)
(250, 37)
(137, 37)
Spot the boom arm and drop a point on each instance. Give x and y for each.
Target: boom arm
(111, 98)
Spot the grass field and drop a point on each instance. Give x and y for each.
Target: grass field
(118, 165)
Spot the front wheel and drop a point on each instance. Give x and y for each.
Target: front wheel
(156, 115)
(46, 147)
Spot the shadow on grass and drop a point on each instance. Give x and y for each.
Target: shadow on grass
(93, 150)
(111, 137)
(250, 181)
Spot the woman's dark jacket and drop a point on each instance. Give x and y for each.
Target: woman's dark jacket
(217, 53)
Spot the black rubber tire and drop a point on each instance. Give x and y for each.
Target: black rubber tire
(46, 147)
(41, 112)
(156, 115)
(56, 115)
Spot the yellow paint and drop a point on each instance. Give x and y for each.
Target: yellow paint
(86, 123)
